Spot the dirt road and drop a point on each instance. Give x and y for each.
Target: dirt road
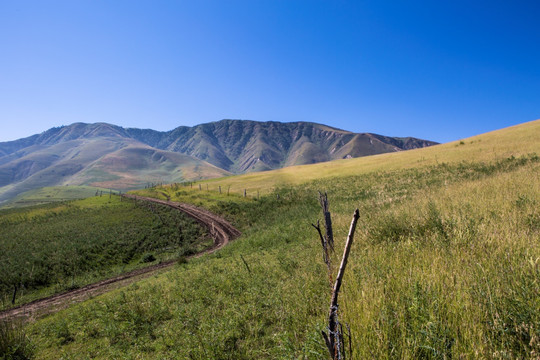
(221, 231)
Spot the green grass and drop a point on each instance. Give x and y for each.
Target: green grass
(445, 264)
(52, 194)
(59, 246)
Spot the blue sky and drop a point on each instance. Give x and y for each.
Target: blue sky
(439, 70)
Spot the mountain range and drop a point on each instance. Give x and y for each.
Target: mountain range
(111, 156)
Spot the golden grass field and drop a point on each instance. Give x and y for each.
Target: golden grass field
(516, 140)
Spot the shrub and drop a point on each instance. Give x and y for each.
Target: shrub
(148, 257)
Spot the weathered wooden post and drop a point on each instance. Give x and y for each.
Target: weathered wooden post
(200, 188)
(323, 200)
(334, 338)
(220, 189)
(228, 190)
(245, 194)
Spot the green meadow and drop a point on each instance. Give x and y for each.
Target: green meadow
(47, 195)
(445, 264)
(60, 246)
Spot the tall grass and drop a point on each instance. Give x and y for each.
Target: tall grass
(445, 265)
(14, 344)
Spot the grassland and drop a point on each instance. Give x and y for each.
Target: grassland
(446, 264)
(513, 141)
(52, 194)
(54, 247)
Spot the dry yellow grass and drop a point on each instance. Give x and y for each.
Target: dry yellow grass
(517, 140)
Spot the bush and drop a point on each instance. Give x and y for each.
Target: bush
(148, 257)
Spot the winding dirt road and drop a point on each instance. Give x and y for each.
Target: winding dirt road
(220, 229)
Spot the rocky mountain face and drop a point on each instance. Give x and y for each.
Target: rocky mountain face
(242, 146)
(106, 155)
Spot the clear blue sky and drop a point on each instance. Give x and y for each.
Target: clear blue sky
(439, 70)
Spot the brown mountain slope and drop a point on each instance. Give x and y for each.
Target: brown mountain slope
(242, 145)
(106, 155)
(112, 162)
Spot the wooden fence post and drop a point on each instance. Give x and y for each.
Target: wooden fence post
(334, 338)
(323, 200)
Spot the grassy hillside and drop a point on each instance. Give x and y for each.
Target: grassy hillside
(513, 141)
(445, 264)
(112, 162)
(54, 247)
(54, 165)
(51, 194)
(135, 166)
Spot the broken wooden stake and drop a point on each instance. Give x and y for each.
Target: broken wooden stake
(323, 200)
(326, 257)
(334, 338)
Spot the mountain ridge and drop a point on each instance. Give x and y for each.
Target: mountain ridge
(107, 155)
